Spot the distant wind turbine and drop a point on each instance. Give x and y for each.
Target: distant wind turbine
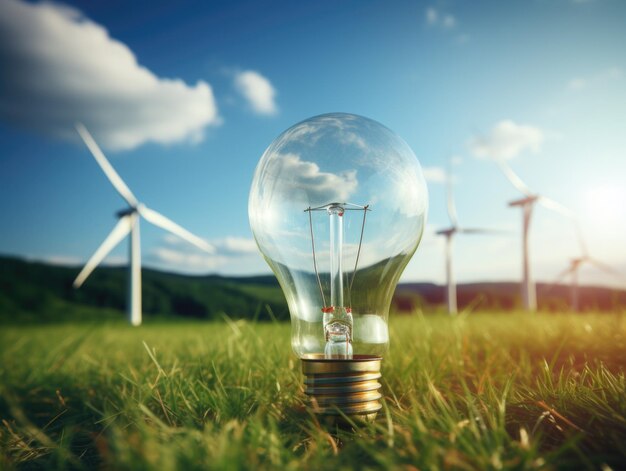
(128, 223)
(449, 233)
(529, 295)
(574, 267)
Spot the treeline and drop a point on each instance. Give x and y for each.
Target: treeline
(33, 290)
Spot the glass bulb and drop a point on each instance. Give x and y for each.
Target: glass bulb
(338, 206)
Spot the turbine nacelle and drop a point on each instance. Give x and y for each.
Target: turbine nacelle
(126, 212)
(447, 232)
(524, 201)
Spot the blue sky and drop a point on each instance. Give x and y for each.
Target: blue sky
(185, 97)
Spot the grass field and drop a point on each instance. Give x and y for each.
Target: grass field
(484, 391)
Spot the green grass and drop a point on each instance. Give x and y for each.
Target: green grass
(477, 392)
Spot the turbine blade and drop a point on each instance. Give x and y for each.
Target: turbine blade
(161, 221)
(475, 230)
(604, 267)
(121, 230)
(581, 240)
(105, 165)
(562, 275)
(515, 180)
(452, 214)
(549, 203)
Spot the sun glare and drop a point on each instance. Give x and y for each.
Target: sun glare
(606, 204)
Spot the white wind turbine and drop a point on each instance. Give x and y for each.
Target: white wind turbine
(574, 267)
(529, 294)
(128, 223)
(449, 233)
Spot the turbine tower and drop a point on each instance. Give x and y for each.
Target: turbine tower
(128, 223)
(449, 234)
(574, 267)
(527, 203)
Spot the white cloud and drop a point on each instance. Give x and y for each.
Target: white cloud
(577, 83)
(72, 260)
(308, 179)
(258, 91)
(432, 16)
(226, 245)
(343, 128)
(230, 252)
(63, 260)
(236, 246)
(506, 140)
(448, 21)
(189, 260)
(434, 174)
(59, 67)
(443, 20)
(601, 78)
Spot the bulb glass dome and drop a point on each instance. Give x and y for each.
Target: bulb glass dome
(338, 206)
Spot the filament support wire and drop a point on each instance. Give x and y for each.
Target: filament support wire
(344, 207)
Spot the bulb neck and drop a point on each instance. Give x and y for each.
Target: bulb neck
(343, 387)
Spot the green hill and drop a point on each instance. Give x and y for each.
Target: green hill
(38, 291)
(35, 291)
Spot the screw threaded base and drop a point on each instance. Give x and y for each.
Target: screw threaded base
(338, 386)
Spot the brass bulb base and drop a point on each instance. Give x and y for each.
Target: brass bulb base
(340, 387)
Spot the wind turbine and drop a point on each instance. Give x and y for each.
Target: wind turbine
(128, 223)
(529, 294)
(574, 267)
(449, 234)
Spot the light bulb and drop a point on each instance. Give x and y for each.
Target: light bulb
(337, 207)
